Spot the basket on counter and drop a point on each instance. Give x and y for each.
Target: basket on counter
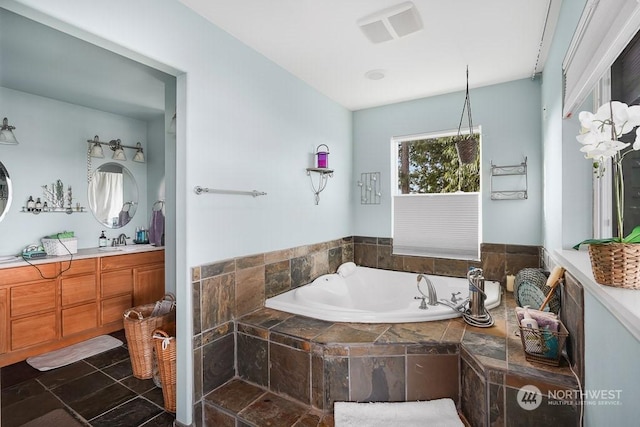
(542, 345)
(61, 246)
(139, 324)
(164, 341)
(616, 264)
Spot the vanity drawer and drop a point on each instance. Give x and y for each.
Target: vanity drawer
(116, 283)
(78, 289)
(132, 260)
(82, 266)
(79, 319)
(33, 330)
(27, 274)
(26, 299)
(113, 308)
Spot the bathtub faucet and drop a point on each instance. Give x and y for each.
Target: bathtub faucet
(432, 295)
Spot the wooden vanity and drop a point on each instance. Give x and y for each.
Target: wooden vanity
(39, 314)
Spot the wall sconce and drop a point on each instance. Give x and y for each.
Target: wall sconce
(322, 157)
(95, 150)
(6, 133)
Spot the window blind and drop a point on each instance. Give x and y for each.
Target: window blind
(437, 225)
(604, 29)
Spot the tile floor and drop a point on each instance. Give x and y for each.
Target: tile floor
(97, 391)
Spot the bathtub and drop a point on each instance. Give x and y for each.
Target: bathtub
(369, 295)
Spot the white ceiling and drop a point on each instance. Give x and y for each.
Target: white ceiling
(319, 41)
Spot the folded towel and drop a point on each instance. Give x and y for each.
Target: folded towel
(346, 269)
(545, 320)
(434, 413)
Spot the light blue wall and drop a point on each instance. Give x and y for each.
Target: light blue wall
(52, 137)
(509, 115)
(567, 175)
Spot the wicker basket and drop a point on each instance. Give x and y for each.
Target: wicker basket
(59, 247)
(616, 264)
(164, 343)
(543, 346)
(467, 148)
(139, 325)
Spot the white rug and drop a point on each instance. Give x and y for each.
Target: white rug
(68, 355)
(434, 413)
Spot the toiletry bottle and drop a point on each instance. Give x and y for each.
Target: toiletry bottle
(528, 321)
(38, 205)
(138, 239)
(30, 204)
(102, 240)
(45, 207)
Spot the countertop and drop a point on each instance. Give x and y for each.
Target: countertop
(82, 254)
(623, 304)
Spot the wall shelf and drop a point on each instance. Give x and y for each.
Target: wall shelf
(323, 176)
(68, 210)
(518, 193)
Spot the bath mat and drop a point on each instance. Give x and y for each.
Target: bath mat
(57, 417)
(434, 413)
(68, 355)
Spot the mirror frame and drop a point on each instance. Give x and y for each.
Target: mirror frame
(5, 172)
(133, 204)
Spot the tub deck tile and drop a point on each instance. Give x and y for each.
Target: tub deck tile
(302, 327)
(414, 333)
(351, 333)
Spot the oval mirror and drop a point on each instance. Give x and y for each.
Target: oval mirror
(5, 191)
(113, 195)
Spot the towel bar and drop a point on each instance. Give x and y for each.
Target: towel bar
(199, 190)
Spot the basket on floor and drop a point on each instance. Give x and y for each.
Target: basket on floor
(164, 342)
(139, 324)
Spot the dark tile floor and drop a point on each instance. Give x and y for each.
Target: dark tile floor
(98, 391)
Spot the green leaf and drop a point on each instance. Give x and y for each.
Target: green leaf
(595, 242)
(633, 237)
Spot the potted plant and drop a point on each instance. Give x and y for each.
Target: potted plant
(615, 261)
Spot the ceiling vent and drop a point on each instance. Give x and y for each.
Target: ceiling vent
(391, 23)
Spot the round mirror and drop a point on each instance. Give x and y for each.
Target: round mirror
(5, 191)
(113, 195)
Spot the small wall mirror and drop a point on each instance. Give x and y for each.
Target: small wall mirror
(5, 191)
(113, 195)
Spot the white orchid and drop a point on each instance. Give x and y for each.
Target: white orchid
(600, 141)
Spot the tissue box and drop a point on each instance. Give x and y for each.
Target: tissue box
(57, 247)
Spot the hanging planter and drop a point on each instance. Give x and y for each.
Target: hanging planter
(466, 144)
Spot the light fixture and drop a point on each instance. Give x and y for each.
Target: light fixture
(139, 156)
(6, 133)
(172, 125)
(115, 145)
(96, 148)
(118, 152)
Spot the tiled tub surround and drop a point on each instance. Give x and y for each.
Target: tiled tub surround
(316, 363)
(226, 290)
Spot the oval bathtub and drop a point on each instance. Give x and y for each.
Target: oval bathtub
(370, 295)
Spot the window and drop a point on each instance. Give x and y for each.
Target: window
(436, 209)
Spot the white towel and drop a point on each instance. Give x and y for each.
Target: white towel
(434, 413)
(346, 269)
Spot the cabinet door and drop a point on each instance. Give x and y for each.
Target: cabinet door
(33, 330)
(4, 319)
(80, 318)
(33, 298)
(117, 282)
(113, 308)
(148, 284)
(79, 289)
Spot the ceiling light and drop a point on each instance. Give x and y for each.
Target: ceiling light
(6, 133)
(96, 148)
(391, 23)
(374, 74)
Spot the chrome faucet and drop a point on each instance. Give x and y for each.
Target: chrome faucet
(432, 295)
(120, 241)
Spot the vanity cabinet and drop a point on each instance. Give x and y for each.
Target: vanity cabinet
(58, 304)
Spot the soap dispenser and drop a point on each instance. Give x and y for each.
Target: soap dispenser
(102, 240)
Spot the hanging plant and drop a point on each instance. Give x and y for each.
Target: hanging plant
(466, 144)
